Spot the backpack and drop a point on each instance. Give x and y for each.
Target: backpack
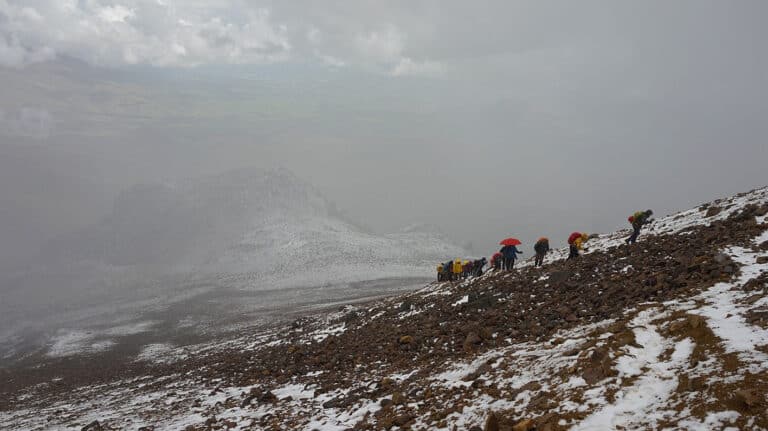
(574, 236)
(631, 219)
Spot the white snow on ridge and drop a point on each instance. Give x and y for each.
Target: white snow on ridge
(464, 299)
(160, 353)
(673, 223)
(68, 342)
(726, 313)
(71, 342)
(644, 401)
(322, 334)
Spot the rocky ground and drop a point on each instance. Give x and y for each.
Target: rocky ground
(671, 332)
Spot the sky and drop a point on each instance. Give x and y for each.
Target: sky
(488, 119)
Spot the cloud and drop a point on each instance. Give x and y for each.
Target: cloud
(407, 66)
(137, 32)
(383, 46)
(14, 54)
(387, 47)
(28, 122)
(117, 13)
(186, 33)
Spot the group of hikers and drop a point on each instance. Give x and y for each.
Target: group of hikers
(505, 258)
(458, 269)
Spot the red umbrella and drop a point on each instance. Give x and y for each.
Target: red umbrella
(573, 237)
(510, 241)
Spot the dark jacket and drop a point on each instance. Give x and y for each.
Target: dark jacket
(541, 247)
(510, 252)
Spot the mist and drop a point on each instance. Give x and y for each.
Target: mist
(487, 121)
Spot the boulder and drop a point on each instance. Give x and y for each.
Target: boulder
(491, 422)
(267, 397)
(598, 367)
(558, 277)
(482, 369)
(405, 339)
(695, 321)
(93, 426)
(402, 419)
(747, 397)
(722, 258)
(712, 211)
(524, 425)
(486, 333)
(471, 342)
(333, 403)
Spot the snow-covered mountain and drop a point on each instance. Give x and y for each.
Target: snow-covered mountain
(247, 229)
(253, 228)
(669, 333)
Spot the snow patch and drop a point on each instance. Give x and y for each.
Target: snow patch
(463, 300)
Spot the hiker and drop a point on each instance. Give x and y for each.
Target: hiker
(448, 271)
(467, 268)
(575, 243)
(496, 261)
(510, 253)
(637, 220)
(541, 248)
(457, 268)
(440, 272)
(477, 267)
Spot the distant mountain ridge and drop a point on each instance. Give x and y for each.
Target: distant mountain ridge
(246, 229)
(250, 224)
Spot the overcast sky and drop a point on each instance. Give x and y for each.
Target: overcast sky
(488, 119)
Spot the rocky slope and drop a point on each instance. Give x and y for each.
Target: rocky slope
(671, 332)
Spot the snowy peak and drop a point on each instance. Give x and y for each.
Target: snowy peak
(247, 227)
(256, 191)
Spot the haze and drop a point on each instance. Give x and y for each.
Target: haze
(486, 119)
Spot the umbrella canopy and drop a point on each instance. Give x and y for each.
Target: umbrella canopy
(510, 241)
(575, 236)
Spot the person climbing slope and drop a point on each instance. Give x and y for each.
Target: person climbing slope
(440, 271)
(575, 243)
(448, 271)
(541, 248)
(510, 253)
(637, 220)
(496, 260)
(457, 269)
(477, 267)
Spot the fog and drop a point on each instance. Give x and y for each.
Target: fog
(487, 120)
